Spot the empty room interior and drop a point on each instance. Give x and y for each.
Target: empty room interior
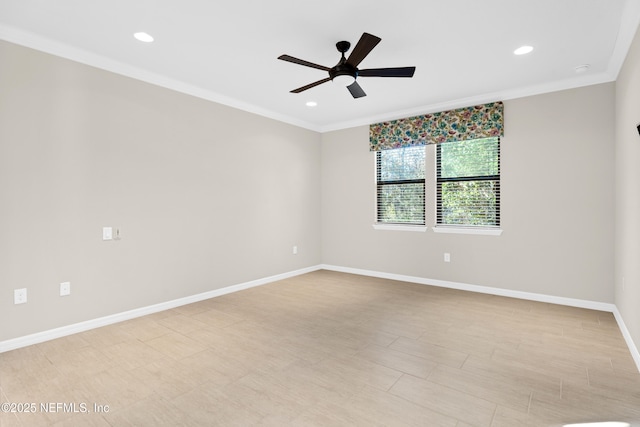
(201, 223)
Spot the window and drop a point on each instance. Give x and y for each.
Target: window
(468, 183)
(400, 185)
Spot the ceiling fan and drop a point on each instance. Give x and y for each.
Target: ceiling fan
(346, 71)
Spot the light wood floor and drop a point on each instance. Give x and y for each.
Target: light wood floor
(333, 349)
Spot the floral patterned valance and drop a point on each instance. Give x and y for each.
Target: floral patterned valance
(481, 121)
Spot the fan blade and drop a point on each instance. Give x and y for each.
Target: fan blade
(356, 90)
(302, 62)
(309, 86)
(365, 45)
(388, 72)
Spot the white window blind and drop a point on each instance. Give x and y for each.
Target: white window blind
(400, 185)
(468, 183)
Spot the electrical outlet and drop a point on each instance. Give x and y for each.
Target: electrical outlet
(447, 257)
(20, 296)
(65, 289)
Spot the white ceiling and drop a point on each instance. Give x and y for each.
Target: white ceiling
(227, 51)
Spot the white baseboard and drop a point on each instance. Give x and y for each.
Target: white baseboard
(627, 337)
(571, 302)
(594, 305)
(63, 331)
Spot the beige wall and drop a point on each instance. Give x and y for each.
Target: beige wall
(205, 196)
(557, 205)
(627, 179)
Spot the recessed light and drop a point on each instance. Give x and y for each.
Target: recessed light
(143, 37)
(582, 68)
(311, 104)
(523, 50)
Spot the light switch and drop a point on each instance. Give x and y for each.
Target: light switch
(65, 289)
(107, 233)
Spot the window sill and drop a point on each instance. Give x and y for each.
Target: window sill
(400, 227)
(468, 230)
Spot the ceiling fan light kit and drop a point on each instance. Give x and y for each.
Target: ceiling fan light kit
(344, 79)
(346, 71)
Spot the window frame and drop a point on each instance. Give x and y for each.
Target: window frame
(486, 229)
(380, 184)
(430, 200)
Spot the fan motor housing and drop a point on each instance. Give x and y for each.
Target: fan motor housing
(343, 69)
